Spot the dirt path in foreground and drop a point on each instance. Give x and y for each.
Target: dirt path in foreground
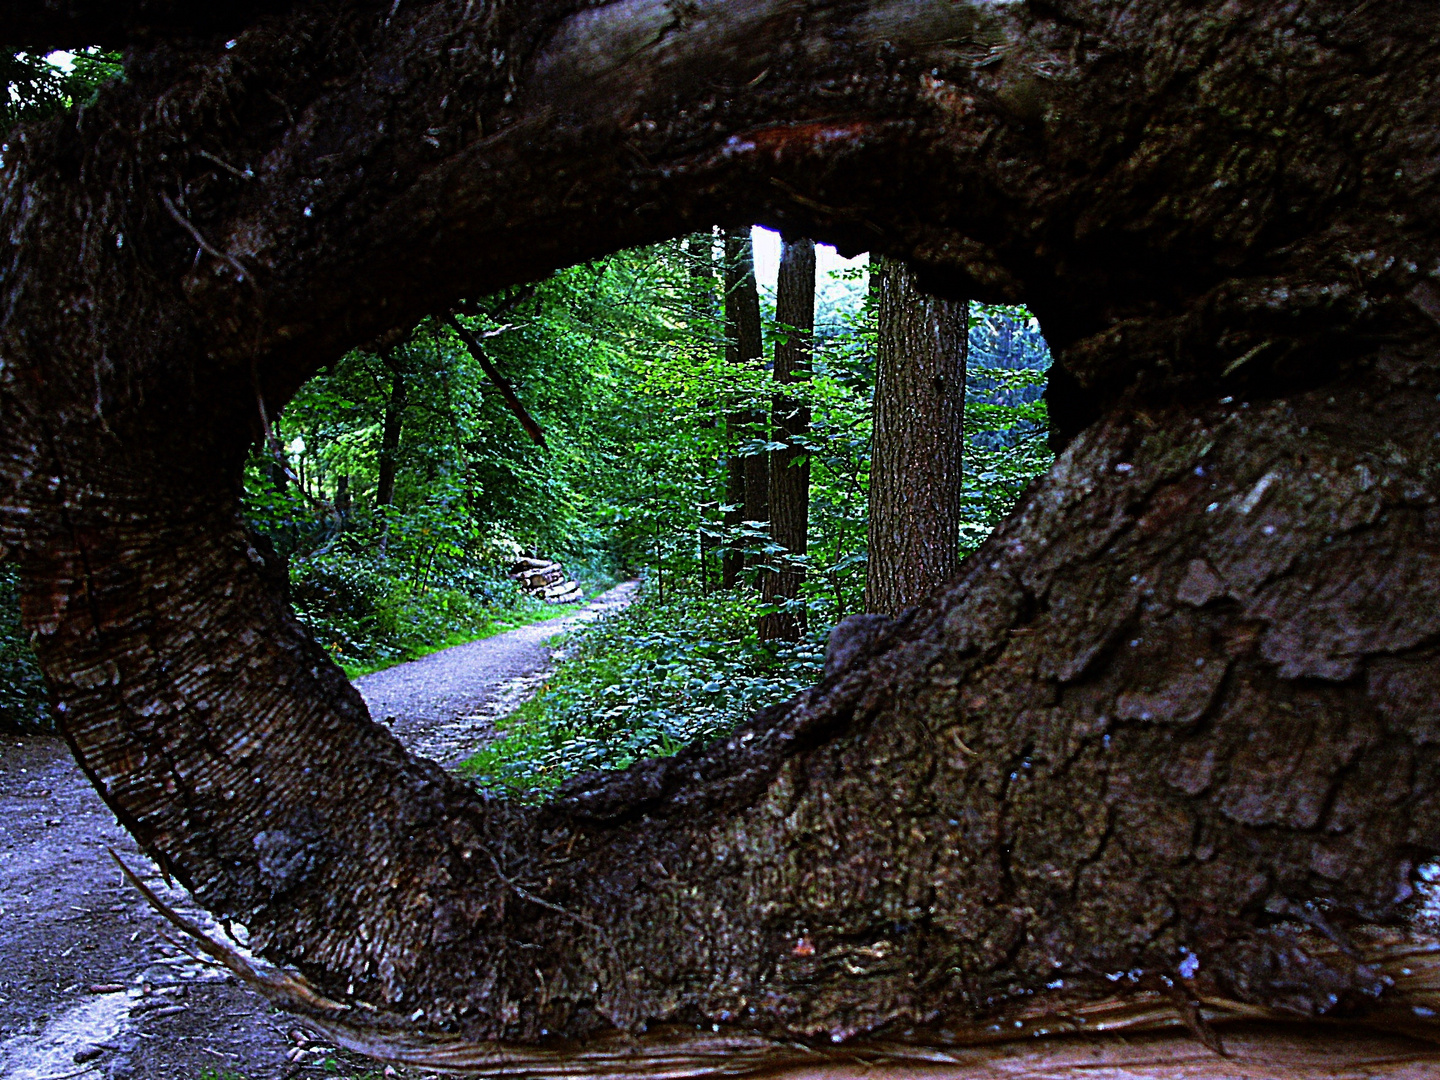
(90, 985)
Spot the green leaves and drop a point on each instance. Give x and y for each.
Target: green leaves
(621, 362)
(646, 683)
(34, 88)
(24, 703)
(680, 666)
(367, 615)
(1006, 419)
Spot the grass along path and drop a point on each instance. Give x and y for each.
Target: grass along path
(501, 624)
(443, 706)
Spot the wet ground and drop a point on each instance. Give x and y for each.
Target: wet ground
(90, 983)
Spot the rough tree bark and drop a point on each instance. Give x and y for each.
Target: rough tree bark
(790, 421)
(917, 443)
(1171, 734)
(747, 476)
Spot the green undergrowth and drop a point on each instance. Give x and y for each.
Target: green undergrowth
(24, 705)
(368, 616)
(476, 629)
(645, 683)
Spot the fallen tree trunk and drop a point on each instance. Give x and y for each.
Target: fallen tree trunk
(1171, 731)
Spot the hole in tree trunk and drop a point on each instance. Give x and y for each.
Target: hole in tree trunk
(1164, 748)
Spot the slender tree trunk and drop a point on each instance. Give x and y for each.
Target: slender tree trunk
(342, 502)
(917, 443)
(747, 476)
(700, 253)
(390, 443)
(700, 269)
(1168, 740)
(390, 432)
(790, 467)
(733, 559)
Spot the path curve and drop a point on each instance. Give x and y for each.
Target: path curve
(444, 706)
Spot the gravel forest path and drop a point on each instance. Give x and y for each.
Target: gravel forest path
(444, 705)
(91, 985)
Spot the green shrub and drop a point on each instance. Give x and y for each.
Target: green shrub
(24, 703)
(367, 613)
(645, 683)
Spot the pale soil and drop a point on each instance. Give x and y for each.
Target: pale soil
(89, 984)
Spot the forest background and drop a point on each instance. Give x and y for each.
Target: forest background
(402, 483)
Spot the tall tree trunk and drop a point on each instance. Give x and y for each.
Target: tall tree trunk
(390, 443)
(700, 255)
(733, 559)
(700, 270)
(395, 406)
(1168, 739)
(917, 443)
(790, 420)
(747, 475)
(342, 501)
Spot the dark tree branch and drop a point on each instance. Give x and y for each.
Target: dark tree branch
(507, 304)
(512, 399)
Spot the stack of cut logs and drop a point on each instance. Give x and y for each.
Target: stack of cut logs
(546, 580)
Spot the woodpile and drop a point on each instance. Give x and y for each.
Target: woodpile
(546, 580)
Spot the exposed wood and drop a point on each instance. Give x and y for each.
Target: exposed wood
(546, 580)
(1041, 1041)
